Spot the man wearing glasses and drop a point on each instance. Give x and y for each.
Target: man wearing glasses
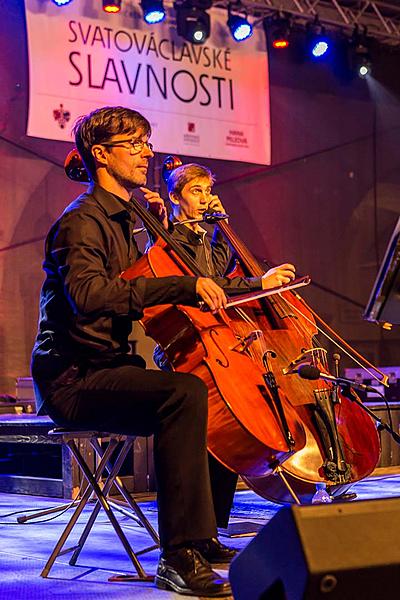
(83, 372)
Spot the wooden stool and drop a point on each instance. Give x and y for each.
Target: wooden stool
(101, 491)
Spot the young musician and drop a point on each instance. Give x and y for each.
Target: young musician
(191, 196)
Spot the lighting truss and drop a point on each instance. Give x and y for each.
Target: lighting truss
(380, 18)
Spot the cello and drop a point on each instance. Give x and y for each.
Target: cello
(203, 344)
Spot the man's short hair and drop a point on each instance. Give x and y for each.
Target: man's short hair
(102, 124)
(180, 176)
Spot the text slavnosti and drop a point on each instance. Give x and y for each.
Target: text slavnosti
(127, 75)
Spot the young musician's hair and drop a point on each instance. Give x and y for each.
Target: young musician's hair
(100, 125)
(180, 176)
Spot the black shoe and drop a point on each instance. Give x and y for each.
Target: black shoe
(185, 571)
(215, 552)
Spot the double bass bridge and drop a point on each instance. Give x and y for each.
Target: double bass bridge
(244, 343)
(317, 357)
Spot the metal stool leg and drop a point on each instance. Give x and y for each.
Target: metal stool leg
(93, 487)
(106, 488)
(57, 551)
(138, 514)
(106, 507)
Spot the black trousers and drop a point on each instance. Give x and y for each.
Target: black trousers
(172, 406)
(223, 487)
(223, 481)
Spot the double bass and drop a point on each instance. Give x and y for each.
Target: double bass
(279, 332)
(342, 441)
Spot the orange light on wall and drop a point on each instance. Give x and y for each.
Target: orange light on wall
(111, 6)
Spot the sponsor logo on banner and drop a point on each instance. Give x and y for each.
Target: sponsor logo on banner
(190, 137)
(208, 100)
(237, 138)
(61, 116)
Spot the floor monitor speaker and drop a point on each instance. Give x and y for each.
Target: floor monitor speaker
(326, 552)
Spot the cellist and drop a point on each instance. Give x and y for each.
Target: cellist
(83, 373)
(190, 194)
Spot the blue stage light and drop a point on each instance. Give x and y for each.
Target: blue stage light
(320, 46)
(153, 11)
(317, 42)
(239, 27)
(61, 2)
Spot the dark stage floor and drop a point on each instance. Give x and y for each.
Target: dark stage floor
(25, 548)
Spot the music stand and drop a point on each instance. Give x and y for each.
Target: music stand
(384, 302)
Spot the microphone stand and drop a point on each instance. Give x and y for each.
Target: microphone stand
(349, 393)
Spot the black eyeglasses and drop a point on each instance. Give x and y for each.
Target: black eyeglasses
(135, 146)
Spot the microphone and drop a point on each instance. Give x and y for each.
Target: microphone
(209, 218)
(312, 373)
(214, 217)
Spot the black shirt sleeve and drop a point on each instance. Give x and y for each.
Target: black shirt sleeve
(92, 284)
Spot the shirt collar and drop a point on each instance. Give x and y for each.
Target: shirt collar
(188, 233)
(111, 203)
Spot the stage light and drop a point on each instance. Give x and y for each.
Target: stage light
(362, 63)
(277, 31)
(239, 27)
(153, 11)
(320, 47)
(317, 42)
(111, 6)
(280, 32)
(61, 2)
(193, 22)
(364, 69)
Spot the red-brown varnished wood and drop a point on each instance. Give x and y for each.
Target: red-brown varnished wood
(288, 328)
(244, 432)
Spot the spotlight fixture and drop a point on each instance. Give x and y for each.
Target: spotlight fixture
(193, 22)
(279, 32)
(362, 63)
(153, 11)
(318, 43)
(364, 68)
(239, 26)
(111, 6)
(61, 2)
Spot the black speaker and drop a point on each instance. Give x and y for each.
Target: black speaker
(327, 551)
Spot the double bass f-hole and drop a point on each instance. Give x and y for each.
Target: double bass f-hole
(224, 361)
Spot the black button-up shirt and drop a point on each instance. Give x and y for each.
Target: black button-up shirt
(86, 308)
(212, 254)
